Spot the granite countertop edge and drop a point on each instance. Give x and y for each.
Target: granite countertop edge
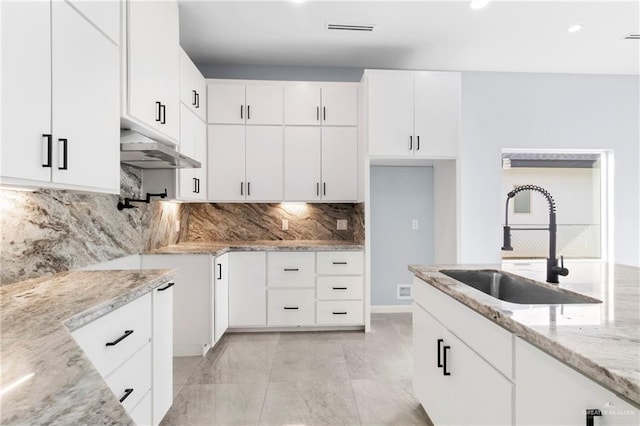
(220, 248)
(616, 383)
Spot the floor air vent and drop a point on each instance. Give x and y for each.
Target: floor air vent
(345, 27)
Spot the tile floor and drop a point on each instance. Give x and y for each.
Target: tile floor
(301, 378)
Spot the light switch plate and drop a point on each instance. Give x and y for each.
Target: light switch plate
(342, 225)
(414, 224)
(285, 225)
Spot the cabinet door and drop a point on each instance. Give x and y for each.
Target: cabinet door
(162, 340)
(167, 47)
(437, 113)
(264, 104)
(200, 154)
(193, 88)
(188, 135)
(302, 104)
(226, 163)
(390, 120)
(302, 159)
(226, 103)
(549, 392)
(339, 163)
(339, 106)
(264, 163)
(103, 14)
(86, 83)
(247, 289)
(221, 297)
(26, 108)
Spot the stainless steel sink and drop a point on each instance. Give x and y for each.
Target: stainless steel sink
(514, 289)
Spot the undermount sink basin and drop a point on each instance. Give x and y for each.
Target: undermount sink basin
(514, 289)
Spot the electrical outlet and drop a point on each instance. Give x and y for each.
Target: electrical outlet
(176, 226)
(341, 225)
(414, 224)
(285, 225)
(405, 291)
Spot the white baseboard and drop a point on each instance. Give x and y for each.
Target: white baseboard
(391, 309)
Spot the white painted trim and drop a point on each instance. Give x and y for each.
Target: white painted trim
(294, 329)
(391, 309)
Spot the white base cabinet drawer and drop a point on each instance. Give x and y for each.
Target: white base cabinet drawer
(339, 263)
(132, 381)
(291, 307)
(340, 313)
(348, 287)
(290, 269)
(141, 414)
(112, 339)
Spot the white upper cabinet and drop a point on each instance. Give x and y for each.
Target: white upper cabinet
(193, 88)
(264, 163)
(153, 67)
(237, 103)
(302, 163)
(339, 160)
(193, 143)
(58, 122)
(104, 14)
(226, 160)
(413, 114)
(328, 105)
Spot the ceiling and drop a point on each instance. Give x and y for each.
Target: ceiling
(521, 36)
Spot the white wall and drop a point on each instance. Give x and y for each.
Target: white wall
(544, 111)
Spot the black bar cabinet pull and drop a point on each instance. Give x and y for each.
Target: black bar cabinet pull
(248, 188)
(195, 185)
(318, 189)
(339, 263)
(126, 334)
(324, 188)
(318, 113)
(410, 143)
(198, 185)
(591, 413)
(164, 114)
(440, 341)
(324, 113)
(168, 286)
(197, 100)
(219, 271)
(241, 111)
(195, 96)
(248, 112)
(339, 288)
(127, 392)
(291, 269)
(241, 188)
(339, 313)
(290, 307)
(49, 148)
(417, 143)
(444, 360)
(158, 115)
(64, 154)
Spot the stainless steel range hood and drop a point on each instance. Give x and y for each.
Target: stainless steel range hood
(140, 151)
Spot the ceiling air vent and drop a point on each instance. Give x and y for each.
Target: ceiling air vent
(346, 27)
(632, 36)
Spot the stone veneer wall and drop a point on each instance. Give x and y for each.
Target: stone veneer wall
(50, 231)
(263, 221)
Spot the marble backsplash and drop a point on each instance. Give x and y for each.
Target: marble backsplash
(263, 221)
(50, 231)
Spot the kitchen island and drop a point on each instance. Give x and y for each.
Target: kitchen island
(46, 376)
(601, 341)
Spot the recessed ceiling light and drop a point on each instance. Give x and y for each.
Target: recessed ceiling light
(479, 4)
(574, 28)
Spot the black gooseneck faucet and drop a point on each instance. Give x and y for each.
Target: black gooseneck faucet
(553, 270)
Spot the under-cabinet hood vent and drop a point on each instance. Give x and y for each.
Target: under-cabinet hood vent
(140, 151)
(632, 36)
(347, 27)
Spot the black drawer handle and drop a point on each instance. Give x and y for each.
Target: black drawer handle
(339, 288)
(65, 143)
(49, 148)
(591, 413)
(290, 307)
(195, 94)
(163, 108)
(440, 341)
(339, 313)
(291, 269)
(219, 271)
(339, 263)
(126, 334)
(444, 360)
(168, 286)
(158, 113)
(127, 392)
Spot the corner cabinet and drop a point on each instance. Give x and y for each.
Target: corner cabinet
(151, 99)
(50, 138)
(412, 113)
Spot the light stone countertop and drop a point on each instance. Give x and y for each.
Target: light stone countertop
(37, 317)
(601, 340)
(218, 248)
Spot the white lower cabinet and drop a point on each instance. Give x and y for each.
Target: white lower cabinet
(221, 296)
(131, 349)
(340, 312)
(247, 289)
(550, 393)
(291, 307)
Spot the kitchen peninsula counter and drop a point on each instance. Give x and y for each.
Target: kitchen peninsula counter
(55, 383)
(601, 340)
